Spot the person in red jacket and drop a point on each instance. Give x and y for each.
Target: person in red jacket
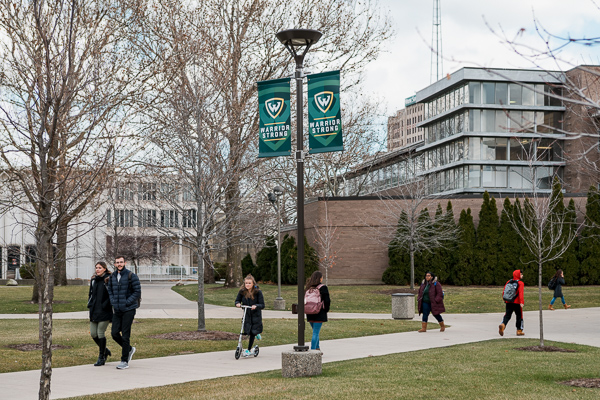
(515, 306)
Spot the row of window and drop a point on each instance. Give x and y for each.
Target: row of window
(495, 121)
(501, 93)
(490, 148)
(468, 148)
(492, 177)
(151, 218)
(150, 190)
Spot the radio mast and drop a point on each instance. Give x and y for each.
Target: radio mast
(437, 61)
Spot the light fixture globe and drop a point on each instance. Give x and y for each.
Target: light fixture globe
(278, 190)
(299, 37)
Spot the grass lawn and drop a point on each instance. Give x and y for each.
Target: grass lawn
(486, 370)
(377, 298)
(75, 333)
(17, 299)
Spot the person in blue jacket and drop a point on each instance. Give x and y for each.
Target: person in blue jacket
(125, 294)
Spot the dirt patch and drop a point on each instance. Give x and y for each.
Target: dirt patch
(584, 383)
(35, 346)
(546, 348)
(399, 290)
(196, 335)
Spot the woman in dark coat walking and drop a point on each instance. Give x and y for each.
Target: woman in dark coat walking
(250, 295)
(431, 300)
(100, 310)
(316, 320)
(559, 280)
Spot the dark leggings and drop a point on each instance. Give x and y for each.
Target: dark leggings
(251, 341)
(427, 310)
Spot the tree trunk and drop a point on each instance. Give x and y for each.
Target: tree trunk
(46, 261)
(201, 313)
(60, 273)
(540, 303)
(209, 270)
(412, 269)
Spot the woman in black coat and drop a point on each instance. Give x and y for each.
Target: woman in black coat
(559, 280)
(316, 320)
(100, 310)
(250, 295)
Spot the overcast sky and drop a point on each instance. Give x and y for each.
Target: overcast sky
(468, 40)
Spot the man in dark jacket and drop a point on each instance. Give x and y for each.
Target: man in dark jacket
(515, 306)
(125, 291)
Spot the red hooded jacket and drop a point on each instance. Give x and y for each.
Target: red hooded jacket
(520, 299)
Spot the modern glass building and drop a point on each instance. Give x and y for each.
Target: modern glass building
(496, 130)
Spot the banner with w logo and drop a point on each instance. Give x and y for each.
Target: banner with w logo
(324, 113)
(274, 114)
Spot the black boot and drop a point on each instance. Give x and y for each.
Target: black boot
(101, 353)
(107, 352)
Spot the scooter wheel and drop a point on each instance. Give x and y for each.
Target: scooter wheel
(238, 352)
(256, 351)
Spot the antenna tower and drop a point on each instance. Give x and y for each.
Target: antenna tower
(437, 61)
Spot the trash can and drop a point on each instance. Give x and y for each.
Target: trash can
(403, 306)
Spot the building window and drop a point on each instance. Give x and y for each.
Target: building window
(123, 218)
(474, 176)
(146, 218)
(169, 219)
(147, 191)
(189, 218)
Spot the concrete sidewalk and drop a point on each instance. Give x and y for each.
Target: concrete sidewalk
(575, 326)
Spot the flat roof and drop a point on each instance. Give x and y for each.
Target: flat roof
(492, 75)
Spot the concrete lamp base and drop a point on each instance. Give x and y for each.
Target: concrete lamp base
(295, 364)
(279, 304)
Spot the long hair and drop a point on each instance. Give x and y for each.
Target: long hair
(103, 265)
(557, 274)
(314, 280)
(249, 294)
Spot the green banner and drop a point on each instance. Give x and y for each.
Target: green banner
(274, 111)
(324, 113)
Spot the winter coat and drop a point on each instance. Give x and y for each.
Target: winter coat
(98, 300)
(520, 299)
(123, 294)
(558, 288)
(322, 315)
(253, 322)
(436, 296)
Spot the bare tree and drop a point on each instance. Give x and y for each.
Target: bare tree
(546, 230)
(416, 230)
(326, 244)
(66, 75)
(244, 50)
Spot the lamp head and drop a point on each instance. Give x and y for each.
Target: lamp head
(295, 39)
(299, 37)
(278, 190)
(272, 198)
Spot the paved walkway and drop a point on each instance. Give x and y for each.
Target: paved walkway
(576, 326)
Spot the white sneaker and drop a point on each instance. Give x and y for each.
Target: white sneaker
(123, 365)
(131, 354)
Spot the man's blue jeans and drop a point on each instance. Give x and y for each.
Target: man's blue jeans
(316, 327)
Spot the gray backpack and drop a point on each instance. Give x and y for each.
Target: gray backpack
(510, 291)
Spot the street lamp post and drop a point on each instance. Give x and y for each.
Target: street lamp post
(298, 41)
(274, 199)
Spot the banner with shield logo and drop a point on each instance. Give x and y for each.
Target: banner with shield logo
(324, 113)
(274, 114)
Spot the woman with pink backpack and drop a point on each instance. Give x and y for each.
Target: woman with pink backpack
(316, 292)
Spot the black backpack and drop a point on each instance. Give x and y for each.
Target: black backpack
(510, 291)
(552, 284)
(130, 288)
